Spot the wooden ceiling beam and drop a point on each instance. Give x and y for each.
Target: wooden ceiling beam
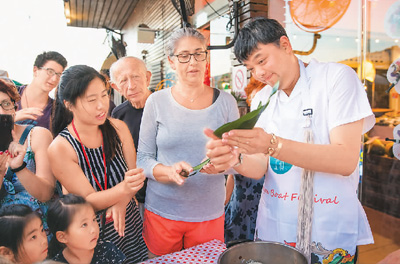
(100, 13)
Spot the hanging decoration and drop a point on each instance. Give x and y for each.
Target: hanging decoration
(393, 76)
(317, 15)
(392, 21)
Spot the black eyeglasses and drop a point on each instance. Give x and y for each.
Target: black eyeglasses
(185, 58)
(51, 72)
(7, 105)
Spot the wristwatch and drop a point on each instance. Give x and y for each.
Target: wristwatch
(240, 160)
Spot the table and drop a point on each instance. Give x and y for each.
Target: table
(204, 253)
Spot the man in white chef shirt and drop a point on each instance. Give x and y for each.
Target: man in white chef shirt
(325, 100)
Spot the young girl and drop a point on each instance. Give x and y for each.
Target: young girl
(22, 238)
(72, 222)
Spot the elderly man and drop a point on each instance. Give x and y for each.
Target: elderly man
(130, 77)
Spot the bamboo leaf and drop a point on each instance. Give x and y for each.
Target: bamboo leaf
(201, 165)
(247, 121)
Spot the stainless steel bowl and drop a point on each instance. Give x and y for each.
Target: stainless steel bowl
(262, 251)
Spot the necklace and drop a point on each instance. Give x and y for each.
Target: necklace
(87, 160)
(193, 99)
(25, 93)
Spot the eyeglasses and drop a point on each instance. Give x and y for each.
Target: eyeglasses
(185, 58)
(51, 72)
(7, 105)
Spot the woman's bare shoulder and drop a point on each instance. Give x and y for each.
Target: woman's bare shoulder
(119, 125)
(41, 132)
(60, 147)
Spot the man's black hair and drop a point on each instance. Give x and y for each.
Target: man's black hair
(258, 30)
(46, 56)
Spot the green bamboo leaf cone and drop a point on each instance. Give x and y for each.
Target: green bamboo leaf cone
(247, 121)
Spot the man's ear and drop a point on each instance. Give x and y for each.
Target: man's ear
(35, 71)
(7, 253)
(284, 43)
(115, 87)
(148, 78)
(61, 237)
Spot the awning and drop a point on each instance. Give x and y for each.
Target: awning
(111, 14)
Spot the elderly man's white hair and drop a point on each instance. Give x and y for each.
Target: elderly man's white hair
(115, 65)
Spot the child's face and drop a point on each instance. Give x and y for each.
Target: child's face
(83, 231)
(34, 243)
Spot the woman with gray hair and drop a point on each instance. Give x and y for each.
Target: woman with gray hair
(181, 212)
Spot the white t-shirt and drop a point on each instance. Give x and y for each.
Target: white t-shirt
(261, 96)
(337, 97)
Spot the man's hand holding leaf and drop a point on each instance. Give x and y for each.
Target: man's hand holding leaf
(246, 122)
(222, 156)
(247, 141)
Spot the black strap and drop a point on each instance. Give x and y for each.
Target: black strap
(215, 95)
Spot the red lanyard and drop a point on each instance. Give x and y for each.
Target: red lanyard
(87, 160)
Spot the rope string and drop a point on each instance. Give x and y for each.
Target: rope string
(306, 206)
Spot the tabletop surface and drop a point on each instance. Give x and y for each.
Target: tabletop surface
(203, 253)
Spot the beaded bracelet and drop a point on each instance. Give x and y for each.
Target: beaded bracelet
(20, 168)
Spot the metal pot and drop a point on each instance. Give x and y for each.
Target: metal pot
(262, 251)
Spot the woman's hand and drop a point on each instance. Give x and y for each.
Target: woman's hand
(17, 154)
(221, 155)
(178, 171)
(117, 213)
(172, 174)
(28, 113)
(134, 181)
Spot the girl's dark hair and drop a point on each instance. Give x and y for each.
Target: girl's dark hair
(258, 30)
(9, 89)
(59, 217)
(73, 84)
(13, 219)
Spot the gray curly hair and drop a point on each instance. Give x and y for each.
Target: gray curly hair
(179, 34)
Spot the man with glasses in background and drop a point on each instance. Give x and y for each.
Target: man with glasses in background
(35, 105)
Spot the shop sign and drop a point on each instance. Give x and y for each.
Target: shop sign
(239, 80)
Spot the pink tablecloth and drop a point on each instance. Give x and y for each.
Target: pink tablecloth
(203, 253)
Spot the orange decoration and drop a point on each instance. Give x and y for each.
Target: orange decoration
(317, 15)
